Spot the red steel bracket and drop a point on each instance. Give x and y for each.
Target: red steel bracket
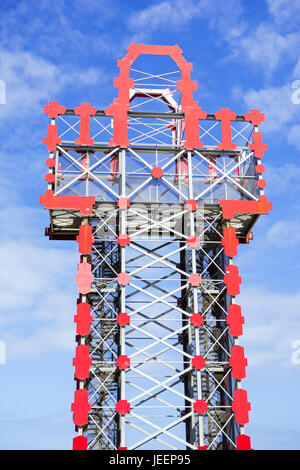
(191, 205)
(82, 203)
(123, 279)
(53, 109)
(196, 319)
(200, 407)
(50, 177)
(261, 184)
(230, 207)
(50, 162)
(260, 169)
(123, 407)
(193, 241)
(157, 172)
(195, 280)
(123, 203)
(123, 239)
(198, 362)
(123, 362)
(255, 117)
(123, 319)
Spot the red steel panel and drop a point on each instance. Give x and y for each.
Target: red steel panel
(258, 147)
(238, 362)
(80, 443)
(230, 242)
(241, 407)
(85, 110)
(81, 407)
(84, 278)
(225, 116)
(232, 280)
(85, 239)
(243, 442)
(83, 319)
(82, 362)
(235, 320)
(52, 140)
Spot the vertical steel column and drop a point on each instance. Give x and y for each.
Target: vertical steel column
(122, 230)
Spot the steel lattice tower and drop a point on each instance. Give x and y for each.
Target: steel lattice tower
(158, 195)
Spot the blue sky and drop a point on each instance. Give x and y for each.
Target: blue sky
(245, 55)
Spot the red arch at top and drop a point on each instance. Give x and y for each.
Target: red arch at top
(120, 106)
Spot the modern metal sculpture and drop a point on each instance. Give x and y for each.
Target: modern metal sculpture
(158, 195)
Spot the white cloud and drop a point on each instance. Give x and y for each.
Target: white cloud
(37, 286)
(173, 14)
(284, 231)
(284, 12)
(267, 47)
(32, 80)
(294, 135)
(224, 17)
(271, 326)
(284, 179)
(277, 105)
